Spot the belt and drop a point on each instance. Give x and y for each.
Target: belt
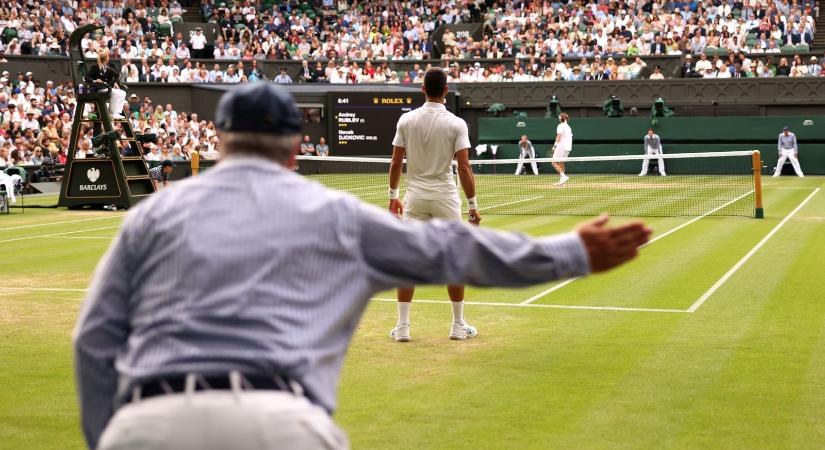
(198, 383)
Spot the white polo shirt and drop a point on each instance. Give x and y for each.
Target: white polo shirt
(431, 136)
(566, 141)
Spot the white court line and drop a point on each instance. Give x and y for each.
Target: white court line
(88, 237)
(363, 188)
(788, 187)
(669, 232)
(521, 305)
(28, 289)
(514, 305)
(748, 256)
(59, 223)
(57, 234)
(510, 203)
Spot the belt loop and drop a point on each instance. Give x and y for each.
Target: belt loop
(297, 389)
(136, 392)
(167, 388)
(189, 385)
(235, 382)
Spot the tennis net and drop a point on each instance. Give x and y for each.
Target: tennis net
(691, 184)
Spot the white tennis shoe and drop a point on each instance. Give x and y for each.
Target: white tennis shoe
(460, 332)
(401, 333)
(562, 180)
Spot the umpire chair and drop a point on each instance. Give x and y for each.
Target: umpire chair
(117, 174)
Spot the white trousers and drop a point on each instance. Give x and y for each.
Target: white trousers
(116, 101)
(788, 153)
(528, 153)
(230, 419)
(646, 162)
(9, 181)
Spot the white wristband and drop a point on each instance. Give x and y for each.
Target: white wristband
(472, 203)
(394, 193)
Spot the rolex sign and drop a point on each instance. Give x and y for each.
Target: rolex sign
(92, 178)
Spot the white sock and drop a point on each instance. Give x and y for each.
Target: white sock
(404, 312)
(458, 312)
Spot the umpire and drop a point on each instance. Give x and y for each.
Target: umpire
(221, 314)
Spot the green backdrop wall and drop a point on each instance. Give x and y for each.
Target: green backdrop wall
(623, 136)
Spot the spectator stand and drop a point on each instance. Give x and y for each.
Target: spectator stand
(116, 174)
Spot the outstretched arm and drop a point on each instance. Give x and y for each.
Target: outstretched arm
(445, 252)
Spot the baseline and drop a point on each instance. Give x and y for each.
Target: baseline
(521, 305)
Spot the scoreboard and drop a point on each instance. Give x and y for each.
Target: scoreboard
(363, 123)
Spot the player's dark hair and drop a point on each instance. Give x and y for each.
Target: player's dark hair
(435, 80)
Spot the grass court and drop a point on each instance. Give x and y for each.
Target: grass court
(713, 338)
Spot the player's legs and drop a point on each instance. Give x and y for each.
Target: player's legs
(450, 209)
(532, 154)
(401, 332)
(413, 210)
(560, 153)
(645, 163)
(460, 329)
(795, 164)
(781, 162)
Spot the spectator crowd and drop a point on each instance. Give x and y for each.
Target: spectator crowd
(36, 125)
(353, 41)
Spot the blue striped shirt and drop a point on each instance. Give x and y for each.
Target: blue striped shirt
(269, 275)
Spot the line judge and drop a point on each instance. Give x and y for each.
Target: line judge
(245, 352)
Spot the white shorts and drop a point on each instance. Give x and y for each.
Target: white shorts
(559, 153)
(421, 209)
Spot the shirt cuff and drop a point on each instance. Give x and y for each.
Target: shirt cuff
(568, 252)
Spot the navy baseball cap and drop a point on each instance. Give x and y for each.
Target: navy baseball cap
(786, 128)
(258, 107)
(167, 163)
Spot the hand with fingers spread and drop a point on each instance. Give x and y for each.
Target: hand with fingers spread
(608, 247)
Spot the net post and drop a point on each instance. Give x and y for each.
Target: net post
(759, 213)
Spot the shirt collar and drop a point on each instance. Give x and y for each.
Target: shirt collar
(250, 161)
(435, 105)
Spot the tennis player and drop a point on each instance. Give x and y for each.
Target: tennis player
(526, 151)
(562, 147)
(653, 146)
(431, 138)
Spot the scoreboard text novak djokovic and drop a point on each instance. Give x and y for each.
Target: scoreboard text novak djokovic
(363, 123)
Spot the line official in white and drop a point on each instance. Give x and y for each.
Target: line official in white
(653, 146)
(788, 149)
(220, 316)
(526, 151)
